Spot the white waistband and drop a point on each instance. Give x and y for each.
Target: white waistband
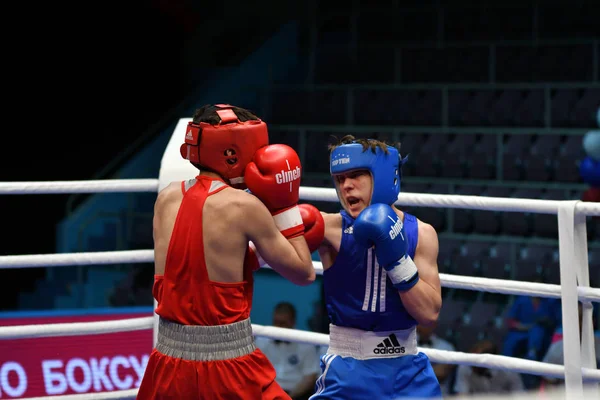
(362, 345)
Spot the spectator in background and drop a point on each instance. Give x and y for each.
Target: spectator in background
(427, 338)
(296, 364)
(530, 321)
(319, 321)
(478, 380)
(135, 289)
(555, 353)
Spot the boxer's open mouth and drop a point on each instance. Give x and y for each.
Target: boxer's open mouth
(352, 200)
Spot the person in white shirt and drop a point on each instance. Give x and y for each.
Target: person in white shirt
(478, 380)
(296, 364)
(427, 338)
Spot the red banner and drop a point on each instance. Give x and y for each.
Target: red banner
(72, 364)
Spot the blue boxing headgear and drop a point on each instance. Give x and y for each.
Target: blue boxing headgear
(384, 168)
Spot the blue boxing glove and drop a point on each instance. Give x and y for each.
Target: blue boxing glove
(378, 225)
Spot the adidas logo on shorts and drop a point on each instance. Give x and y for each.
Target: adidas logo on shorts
(349, 230)
(389, 345)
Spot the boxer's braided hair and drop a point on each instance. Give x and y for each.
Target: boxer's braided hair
(208, 114)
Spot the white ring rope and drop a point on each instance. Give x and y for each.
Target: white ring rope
(90, 328)
(91, 186)
(308, 193)
(452, 281)
(82, 258)
(75, 328)
(461, 201)
(490, 203)
(503, 286)
(439, 356)
(117, 394)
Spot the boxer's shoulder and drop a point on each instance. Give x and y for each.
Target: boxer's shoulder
(427, 242)
(332, 220)
(426, 231)
(333, 229)
(172, 192)
(235, 201)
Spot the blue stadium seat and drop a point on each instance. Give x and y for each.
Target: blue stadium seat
(413, 187)
(583, 114)
(427, 109)
(514, 153)
(537, 168)
(476, 111)
(531, 110)
(452, 312)
(467, 261)
(435, 216)
(546, 145)
(316, 159)
(497, 263)
(481, 160)
(430, 156)
(376, 26)
(466, 336)
(531, 261)
(561, 103)
(482, 314)
(550, 271)
(333, 64)
(518, 223)
(385, 107)
(448, 248)
(504, 107)
(374, 64)
(566, 163)
(546, 225)
(289, 137)
(463, 217)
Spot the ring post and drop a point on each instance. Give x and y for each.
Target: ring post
(580, 242)
(570, 315)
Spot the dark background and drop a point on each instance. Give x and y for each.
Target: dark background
(81, 81)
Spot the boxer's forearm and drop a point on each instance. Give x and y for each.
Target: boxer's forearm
(423, 302)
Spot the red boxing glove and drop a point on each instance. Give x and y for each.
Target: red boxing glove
(274, 177)
(314, 226)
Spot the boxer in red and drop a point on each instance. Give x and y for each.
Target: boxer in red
(203, 262)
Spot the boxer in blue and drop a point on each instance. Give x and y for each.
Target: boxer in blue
(380, 280)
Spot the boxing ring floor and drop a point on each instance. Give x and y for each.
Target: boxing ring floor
(579, 355)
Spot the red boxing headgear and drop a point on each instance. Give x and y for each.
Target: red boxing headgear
(225, 148)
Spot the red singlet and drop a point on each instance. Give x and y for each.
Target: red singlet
(186, 296)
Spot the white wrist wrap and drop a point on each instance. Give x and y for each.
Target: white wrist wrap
(287, 219)
(403, 270)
